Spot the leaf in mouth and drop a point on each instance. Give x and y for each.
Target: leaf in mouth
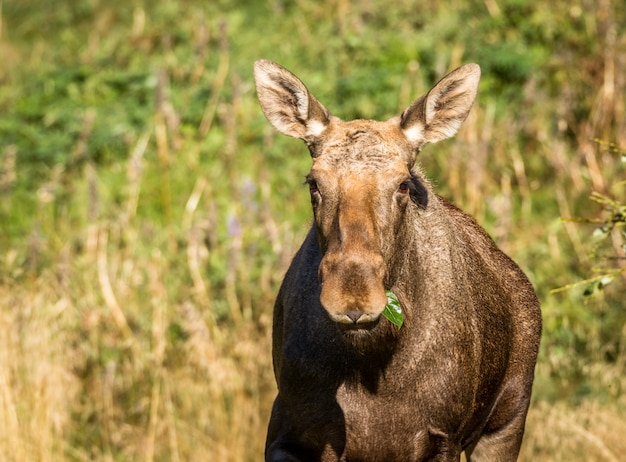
(393, 310)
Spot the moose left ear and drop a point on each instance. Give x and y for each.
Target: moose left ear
(287, 103)
(439, 113)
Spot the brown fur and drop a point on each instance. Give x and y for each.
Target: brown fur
(353, 387)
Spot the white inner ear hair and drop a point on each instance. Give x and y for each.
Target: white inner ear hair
(315, 127)
(414, 133)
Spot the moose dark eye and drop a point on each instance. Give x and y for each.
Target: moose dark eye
(403, 188)
(312, 186)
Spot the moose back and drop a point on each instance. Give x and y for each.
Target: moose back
(457, 376)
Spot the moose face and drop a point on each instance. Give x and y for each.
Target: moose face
(361, 180)
(360, 185)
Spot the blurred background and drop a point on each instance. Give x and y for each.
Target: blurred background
(148, 211)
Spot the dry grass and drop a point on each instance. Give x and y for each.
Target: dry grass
(37, 381)
(556, 432)
(80, 382)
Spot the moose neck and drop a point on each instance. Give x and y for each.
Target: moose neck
(421, 268)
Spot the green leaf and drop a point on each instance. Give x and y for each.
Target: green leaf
(589, 290)
(393, 310)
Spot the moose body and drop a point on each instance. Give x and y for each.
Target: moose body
(457, 376)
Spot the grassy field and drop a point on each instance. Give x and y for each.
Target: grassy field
(148, 211)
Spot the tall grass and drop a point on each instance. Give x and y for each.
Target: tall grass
(148, 211)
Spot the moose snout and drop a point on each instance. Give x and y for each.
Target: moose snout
(352, 288)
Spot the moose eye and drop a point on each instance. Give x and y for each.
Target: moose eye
(312, 186)
(403, 188)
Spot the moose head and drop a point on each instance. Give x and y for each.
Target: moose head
(362, 179)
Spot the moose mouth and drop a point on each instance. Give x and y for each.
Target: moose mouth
(356, 321)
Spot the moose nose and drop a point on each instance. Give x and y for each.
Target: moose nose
(354, 315)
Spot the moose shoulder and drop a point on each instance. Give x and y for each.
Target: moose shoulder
(457, 376)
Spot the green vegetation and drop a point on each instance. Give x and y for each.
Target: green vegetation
(148, 211)
(393, 310)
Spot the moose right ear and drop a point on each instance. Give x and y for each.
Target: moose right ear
(439, 113)
(287, 103)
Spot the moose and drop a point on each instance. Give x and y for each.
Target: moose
(457, 375)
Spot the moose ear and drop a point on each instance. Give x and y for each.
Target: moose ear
(439, 113)
(287, 103)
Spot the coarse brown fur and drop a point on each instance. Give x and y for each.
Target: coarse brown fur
(457, 376)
